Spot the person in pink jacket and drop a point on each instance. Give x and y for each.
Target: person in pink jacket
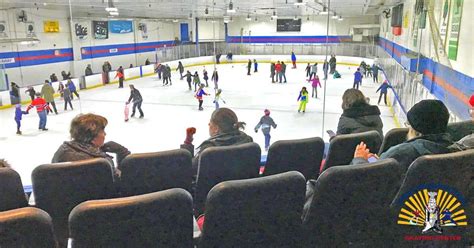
(315, 82)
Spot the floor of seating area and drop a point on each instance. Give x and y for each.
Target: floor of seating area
(169, 110)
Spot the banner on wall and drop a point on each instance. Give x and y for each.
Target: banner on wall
(455, 29)
(121, 27)
(51, 26)
(143, 29)
(101, 30)
(80, 30)
(443, 23)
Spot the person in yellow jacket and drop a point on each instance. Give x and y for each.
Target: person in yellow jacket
(303, 99)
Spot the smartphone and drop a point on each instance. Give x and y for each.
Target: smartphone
(331, 133)
(372, 159)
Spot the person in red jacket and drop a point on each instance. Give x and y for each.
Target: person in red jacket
(278, 69)
(120, 75)
(41, 106)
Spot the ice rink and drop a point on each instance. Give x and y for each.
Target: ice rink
(169, 110)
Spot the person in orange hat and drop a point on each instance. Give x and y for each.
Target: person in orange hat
(468, 141)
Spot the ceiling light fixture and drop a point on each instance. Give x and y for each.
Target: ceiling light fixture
(231, 8)
(114, 13)
(111, 7)
(248, 18)
(335, 16)
(299, 2)
(274, 15)
(175, 20)
(324, 12)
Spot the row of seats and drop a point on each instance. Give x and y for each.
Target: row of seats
(351, 205)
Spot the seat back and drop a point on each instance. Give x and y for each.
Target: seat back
(26, 227)
(453, 173)
(224, 163)
(342, 147)
(58, 188)
(160, 219)
(392, 138)
(350, 204)
(259, 212)
(303, 155)
(151, 172)
(11, 190)
(458, 130)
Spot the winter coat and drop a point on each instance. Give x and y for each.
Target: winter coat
(360, 119)
(272, 69)
(18, 114)
(215, 76)
(410, 150)
(31, 91)
(205, 76)
(39, 103)
(308, 68)
(105, 67)
(278, 67)
(303, 96)
(357, 77)
(249, 65)
(168, 70)
(383, 88)
(67, 94)
(15, 91)
(71, 86)
(189, 77)
(196, 79)
(47, 92)
(283, 68)
(293, 57)
(135, 95)
(315, 82)
(375, 69)
(180, 68)
(332, 61)
(89, 71)
(53, 78)
(314, 69)
(266, 122)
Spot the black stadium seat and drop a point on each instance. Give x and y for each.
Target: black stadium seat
(151, 172)
(259, 212)
(58, 188)
(303, 155)
(224, 163)
(458, 130)
(11, 190)
(26, 227)
(392, 138)
(342, 147)
(350, 205)
(160, 219)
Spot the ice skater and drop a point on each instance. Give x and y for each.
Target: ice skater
(249, 67)
(205, 76)
(314, 70)
(308, 70)
(332, 64)
(303, 99)
(315, 83)
(137, 101)
(158, 70)
(126, 111)
(357, 79)
(31, 92)
(120, 76)
(72, 87)
(266, 122)
(278, 71)
(47, 92)
(18, 116)
(196, 80)
(215, 78)
(41, 107)
(383, 91)
(67, 95)
(217, 98)
(272, 71)
(255, 66)
(200, 93)
(283, 71)
(189, 79)
(376, 69)
(325, 69)
(293, 60)
(168, 70)
(180, 69)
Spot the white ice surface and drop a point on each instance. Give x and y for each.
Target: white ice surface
(169, 110)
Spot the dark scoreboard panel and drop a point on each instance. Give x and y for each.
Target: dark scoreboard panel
(288, 25)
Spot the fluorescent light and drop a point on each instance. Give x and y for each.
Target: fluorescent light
(248, 18)
(175, 20)
(274, 15)
(231, 11)
(111, 9)
(114, 13)
(340, 18)
(334, 16)
(299, 2)
(324, 12)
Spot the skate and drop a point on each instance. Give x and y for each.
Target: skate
(133, 114)
(18, 132)
(141, 116)
(44, 129)
(126, 120)
(201, 109)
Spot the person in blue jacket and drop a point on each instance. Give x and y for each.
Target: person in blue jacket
(18, 116)
(357, 79)
(293, 59)
(72, 88)
(383, 91)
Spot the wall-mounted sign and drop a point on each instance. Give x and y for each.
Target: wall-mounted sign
(455, 30)
(7, 60)
(113, 50)
(30, 29)
(121, 27)
(81, 30)
(101, 30)
(143, 28)
(51, 26)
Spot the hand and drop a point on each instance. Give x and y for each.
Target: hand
(113, 147)
(256, 130)
(275, 126)
(362, 151)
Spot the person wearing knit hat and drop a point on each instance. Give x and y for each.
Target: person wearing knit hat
(266, 122)
(427, 125)
(468, 141)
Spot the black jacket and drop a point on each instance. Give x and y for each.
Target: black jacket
(74, 151)
(135, 95)
(360, 119)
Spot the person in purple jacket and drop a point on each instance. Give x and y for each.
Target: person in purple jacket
(315, 83)
(18, 114)
(357, 79)
(72, 88)
(383, 91)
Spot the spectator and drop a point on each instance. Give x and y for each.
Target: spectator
(224, 129)
(106, 68)
(332, 64)
(468, 141)
(358, 116)
(89, 70)
(31, 92)
(229, 56)
(15, 93)
(54, 78)
(47, 92)
(427, 122)
(147, 62)
(88, 135)
(65, 75)
(218, 58)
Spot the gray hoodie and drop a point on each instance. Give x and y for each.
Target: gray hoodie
(266, 122)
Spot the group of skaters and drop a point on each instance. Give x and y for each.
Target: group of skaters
(365, 70)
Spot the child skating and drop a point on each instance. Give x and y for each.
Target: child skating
(217, 98)
(303, 99)
(200, 93)
(205, 76)
(196, 80)
(266, 122)
(18, 116)
(126, 111)
(315, 83)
